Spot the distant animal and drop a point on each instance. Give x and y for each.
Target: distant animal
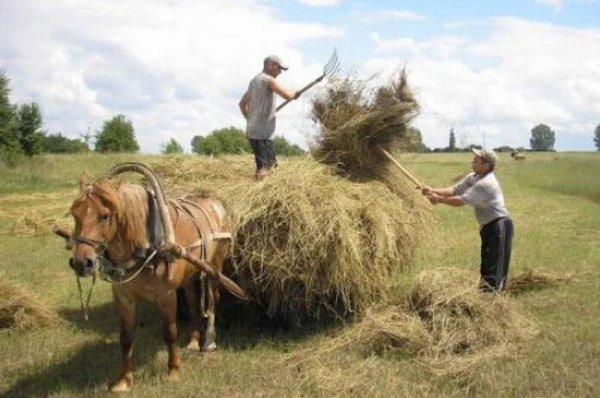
(115, 225)
(517, 156)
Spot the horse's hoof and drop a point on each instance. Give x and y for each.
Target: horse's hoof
(174, 376)
(120, 385)
(208, 348)
(194, 345)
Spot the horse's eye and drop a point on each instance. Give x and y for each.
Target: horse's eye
(104, 217)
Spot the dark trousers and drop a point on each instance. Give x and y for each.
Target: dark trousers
(496, 244)
(264, 153)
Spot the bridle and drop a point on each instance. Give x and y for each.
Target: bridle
(95, 244)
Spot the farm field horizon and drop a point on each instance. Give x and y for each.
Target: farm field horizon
(554, 201)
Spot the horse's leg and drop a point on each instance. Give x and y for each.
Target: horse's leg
(126, 307)
(210, 336)
(168, 308)
(212, 298)
(192, 297)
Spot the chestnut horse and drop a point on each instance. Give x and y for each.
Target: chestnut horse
(116, 224)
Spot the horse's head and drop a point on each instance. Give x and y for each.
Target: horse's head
(96, 214)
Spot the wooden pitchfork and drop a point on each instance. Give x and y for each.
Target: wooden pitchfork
(332, 66)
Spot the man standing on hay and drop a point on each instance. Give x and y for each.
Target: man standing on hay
(258, 107)
(481, 190)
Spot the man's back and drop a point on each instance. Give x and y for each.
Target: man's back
(261, 114)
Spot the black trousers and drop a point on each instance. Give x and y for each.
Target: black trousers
(496, 244)
(264, 153)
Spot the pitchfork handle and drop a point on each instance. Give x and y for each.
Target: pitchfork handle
(406, 172)
(305, 88)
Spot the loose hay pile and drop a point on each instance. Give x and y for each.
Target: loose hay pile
(445, 322)
(535, 280)
(308, 244)
(354, 120)
(21, 310)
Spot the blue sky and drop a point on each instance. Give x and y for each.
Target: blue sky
(492, 70)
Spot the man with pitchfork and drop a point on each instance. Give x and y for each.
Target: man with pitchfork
(258, 107)
(481, 190)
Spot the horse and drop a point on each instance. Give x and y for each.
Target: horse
(517, 156)
(117, 234)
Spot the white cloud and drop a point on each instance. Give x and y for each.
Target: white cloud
(320, 3)
(556, 4)
(501, 86)
(175, 68)
(382, 15)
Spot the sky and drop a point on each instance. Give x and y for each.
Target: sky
(491, 70)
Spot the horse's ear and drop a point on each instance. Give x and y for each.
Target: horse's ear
(85, 182)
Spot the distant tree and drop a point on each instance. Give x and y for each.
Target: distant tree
(284, 148)
(10, 147)
(597, 137)
(117, 135)
(504, 148)
(452, 143)
(220, 141)
(172, 147)
(542, 138)
(57, 143)
(414, 141)
(29, 127)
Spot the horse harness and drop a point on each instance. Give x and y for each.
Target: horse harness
(147, 258)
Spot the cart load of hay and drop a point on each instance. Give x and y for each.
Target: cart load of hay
(310, 244)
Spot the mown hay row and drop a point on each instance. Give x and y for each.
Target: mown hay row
(21, 310)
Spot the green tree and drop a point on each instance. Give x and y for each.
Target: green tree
(172, 147)
(284, 148)
(117, 135)
(542, 138)
(220, 141)
(10, 148)
(414, 141)
(57, 143)
(597, 137)
(29, 127)
(452, 143)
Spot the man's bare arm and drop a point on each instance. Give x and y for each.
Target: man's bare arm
(245, 104)
(282, 91)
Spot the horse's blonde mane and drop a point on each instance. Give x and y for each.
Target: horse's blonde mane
(128, 203)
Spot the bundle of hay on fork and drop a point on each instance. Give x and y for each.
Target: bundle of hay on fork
(356, 121)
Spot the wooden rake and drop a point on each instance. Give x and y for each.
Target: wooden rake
(331, 67)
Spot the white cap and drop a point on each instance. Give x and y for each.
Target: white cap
(276, 60)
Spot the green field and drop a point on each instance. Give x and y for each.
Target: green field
(554, 199)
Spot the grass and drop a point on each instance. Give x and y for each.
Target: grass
(553, 199)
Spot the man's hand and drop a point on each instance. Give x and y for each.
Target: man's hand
(434, 199)
(426, 190)
(297, 95)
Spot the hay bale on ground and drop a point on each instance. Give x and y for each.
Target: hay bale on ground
(21, 310)
(445, 321)
(310, 245)
(354, 120)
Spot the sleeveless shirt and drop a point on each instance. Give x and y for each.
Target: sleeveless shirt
(261, 114)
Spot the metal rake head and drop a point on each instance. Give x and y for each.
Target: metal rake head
(333, 65)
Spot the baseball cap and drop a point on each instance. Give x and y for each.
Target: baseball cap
(487, 155)
(276, 60)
